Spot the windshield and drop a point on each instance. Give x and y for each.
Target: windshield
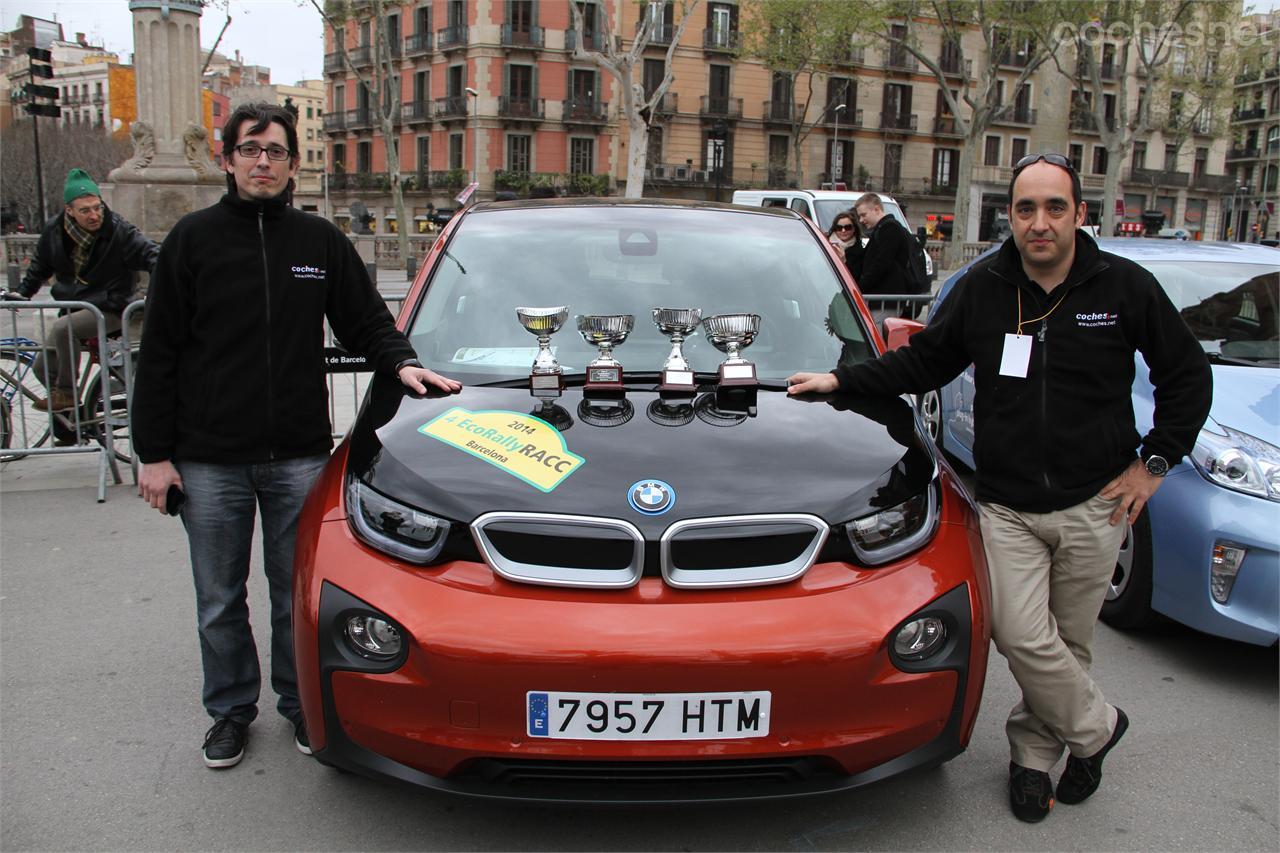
(1231, 308)
(630, 260)
(828, 209)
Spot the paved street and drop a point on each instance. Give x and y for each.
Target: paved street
(100, 729)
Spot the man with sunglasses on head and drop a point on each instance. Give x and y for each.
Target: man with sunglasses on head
(1051, 324)
(230, 411)
(93, 255)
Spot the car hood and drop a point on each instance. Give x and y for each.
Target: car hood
(1247, 399)
(833, 457)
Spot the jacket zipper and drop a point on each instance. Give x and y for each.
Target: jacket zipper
(266, 286)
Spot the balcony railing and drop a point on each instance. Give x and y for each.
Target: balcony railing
(454, 106)
(783, 112)
(332, 62)
(712, 106)
(415, 112)
(851, 56)
(98, 99)
(590, 41)
(1214, 183)
(1084, 122)
(1246, 153)
(900, 59)
(1159, 177)
(417, 44)
(1108, 71)
(667, 105)
(335, 121)
(1016, 115)
(843, 118)
(660, 35)
(533, 37)
(530, 109)
(451, 37)
(359, 117)
(951, 67)
(1249, 114)
(715, 39)
(361, 56)
(897, 121)
(584, 111)
(946, 126)
(1007, 58)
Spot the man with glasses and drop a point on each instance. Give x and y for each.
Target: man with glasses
(93, 254)
(230, 410)
(1051, 324)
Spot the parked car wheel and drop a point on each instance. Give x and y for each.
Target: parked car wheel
(930, 406)
(1128, 601)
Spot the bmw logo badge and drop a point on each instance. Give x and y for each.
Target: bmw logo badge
(651, 497)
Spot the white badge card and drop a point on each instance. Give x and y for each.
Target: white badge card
(1016, 356)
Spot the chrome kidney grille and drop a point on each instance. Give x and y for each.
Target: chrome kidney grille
(609, 553)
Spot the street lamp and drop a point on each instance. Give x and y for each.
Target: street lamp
(475, 140)
(837, 155)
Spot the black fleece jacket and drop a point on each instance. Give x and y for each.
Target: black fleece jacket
(885, 261)
(119, 250)
(231, 368)
(1056, 437)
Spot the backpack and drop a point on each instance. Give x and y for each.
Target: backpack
(917, 275)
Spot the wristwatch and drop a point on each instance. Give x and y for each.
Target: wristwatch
(1157, 466)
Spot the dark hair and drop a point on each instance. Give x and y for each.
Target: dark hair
(1077, 193)
(857, 232)
(262, 115)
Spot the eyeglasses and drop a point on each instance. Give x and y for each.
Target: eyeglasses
(86, 211)
(1051, 159)
(844, 227)
(253, 151)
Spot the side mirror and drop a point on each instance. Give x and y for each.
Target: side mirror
(897, 332)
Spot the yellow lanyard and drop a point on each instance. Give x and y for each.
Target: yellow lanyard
(1043, 316)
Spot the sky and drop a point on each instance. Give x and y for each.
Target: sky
(287, 36)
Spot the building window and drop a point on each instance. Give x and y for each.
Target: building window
(364, 157)
(1140, 155)
(309, 113)
(1171, 158)
(518, 152)
(455, 151)
(991, 157)
(311, 156)
(1075, 153)
(1099, 160)
(339, 157)
(945, 161)
(582, 156)
(1202, 162)
(779, 147)
(424, 153)
(892, 168)
(1017, 150)
(217, 109)
(717, 154)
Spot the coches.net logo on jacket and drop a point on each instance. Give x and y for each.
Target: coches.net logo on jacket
(304, 271)
(1097, 318)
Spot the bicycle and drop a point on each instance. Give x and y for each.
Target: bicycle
(86, 422)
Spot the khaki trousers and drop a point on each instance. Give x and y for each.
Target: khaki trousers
(1049, 574)
(65, 335)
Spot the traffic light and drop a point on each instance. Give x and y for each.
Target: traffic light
(41, 67)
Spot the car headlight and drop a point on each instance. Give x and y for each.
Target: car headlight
(1238, 461)
(891, 533)
(399, 530)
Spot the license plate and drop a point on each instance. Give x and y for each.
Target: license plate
(648, 716)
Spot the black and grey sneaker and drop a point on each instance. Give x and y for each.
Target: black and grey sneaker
(1030, 793)
(1083, 775)
(224, 743)
(300, 739)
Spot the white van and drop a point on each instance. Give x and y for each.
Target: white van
(822, 206)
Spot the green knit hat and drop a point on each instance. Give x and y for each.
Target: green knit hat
(78, 183)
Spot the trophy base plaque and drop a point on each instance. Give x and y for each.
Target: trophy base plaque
(546, 381)
(603, 381)
(678, 383)
(735, 375)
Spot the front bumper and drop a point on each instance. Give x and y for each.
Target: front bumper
(451, 716)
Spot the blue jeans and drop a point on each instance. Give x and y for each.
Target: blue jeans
(222, 501)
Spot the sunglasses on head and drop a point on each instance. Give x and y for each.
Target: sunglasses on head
(1051, 159)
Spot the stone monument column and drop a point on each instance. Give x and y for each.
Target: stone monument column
(170, 173)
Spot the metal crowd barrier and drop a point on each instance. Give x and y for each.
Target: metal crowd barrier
(913, 306)
(349, 376)
(28, 432)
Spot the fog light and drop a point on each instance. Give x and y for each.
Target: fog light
(1223, 568)
(373, 637)
(920, 638)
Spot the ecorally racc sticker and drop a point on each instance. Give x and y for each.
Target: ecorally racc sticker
(526, 447)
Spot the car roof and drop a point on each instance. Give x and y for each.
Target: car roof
(1151, 249)
(595, 201)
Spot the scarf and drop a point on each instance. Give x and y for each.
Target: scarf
(843, 245)
(83, 245)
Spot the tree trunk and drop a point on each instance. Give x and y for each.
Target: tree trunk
(954, 254)
(389, 141)
(637, 139)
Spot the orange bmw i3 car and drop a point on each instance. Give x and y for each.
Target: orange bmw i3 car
(621, 565)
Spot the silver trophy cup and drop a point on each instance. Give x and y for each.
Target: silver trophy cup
(606, 331)
(547, 374)
(732, 333)
(677, 324)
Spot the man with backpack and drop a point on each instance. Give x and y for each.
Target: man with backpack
(894, 259)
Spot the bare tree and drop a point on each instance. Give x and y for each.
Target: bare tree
(796, 40)
(383, 86)
(1009, 43)
(637, 107)
(62, 148)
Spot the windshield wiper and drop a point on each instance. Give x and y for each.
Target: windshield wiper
(1247, 361)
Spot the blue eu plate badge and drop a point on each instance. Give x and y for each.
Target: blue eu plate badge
(538, 715)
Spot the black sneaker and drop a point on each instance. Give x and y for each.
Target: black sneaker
(1030, 793)
(224, 743)
(1082, 775)
(300, 739)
